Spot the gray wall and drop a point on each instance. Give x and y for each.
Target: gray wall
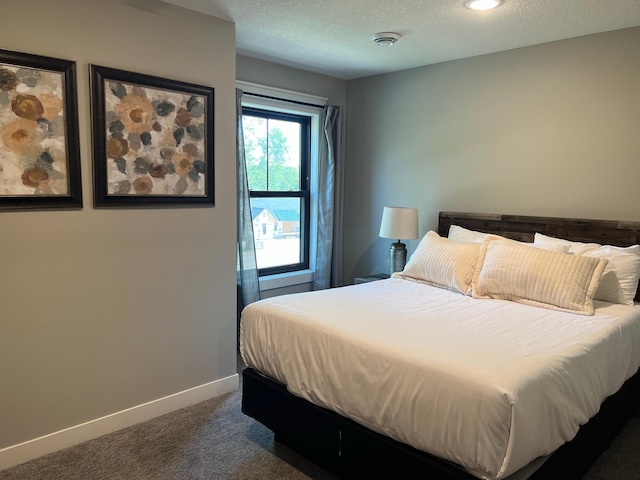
(273, 75)
(549, 130)
(103, 310)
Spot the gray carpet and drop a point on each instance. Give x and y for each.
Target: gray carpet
(214, 440)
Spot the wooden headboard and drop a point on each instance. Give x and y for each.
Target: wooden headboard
(523, 228)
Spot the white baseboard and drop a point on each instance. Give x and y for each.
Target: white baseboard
(23, 452)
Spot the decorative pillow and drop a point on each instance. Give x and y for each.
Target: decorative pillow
(621, 275)
(443, 263)
(552, 248)
(514, 271)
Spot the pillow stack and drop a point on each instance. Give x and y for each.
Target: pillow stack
(550, 273)
(620, 278)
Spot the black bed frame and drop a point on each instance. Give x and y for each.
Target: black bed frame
(350, 450)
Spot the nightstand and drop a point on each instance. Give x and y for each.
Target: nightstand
(371, 278)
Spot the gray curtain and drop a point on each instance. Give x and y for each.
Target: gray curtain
(330, 196)
(248, 279)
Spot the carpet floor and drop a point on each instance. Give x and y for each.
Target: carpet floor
(213, 440)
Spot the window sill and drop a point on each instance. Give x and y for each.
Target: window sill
(288, 279)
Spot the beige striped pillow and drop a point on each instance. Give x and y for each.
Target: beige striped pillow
(512, 271)
(443, 263)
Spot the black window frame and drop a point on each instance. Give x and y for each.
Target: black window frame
(305, 186)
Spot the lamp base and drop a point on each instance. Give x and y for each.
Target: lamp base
(397, 257)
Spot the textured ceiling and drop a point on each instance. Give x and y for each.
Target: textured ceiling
(333, 37)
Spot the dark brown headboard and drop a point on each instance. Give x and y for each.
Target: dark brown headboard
(520, 227)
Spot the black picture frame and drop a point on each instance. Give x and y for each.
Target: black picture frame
(39, 138)
(153, 140)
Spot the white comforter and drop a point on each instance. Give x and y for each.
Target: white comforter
(487, 384)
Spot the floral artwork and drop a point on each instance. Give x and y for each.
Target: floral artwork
(39, 159)
(154, 140)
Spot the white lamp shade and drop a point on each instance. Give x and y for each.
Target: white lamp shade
(400, 223)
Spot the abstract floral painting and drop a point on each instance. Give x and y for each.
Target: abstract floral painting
(153, 140)
(39, 154)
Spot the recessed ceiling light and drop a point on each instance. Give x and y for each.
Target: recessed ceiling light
(482, 4)
(385, 39)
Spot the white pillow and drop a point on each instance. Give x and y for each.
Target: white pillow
(578, 248)
(621, 275)
(620, 278)
(443, 263)
(514, 271)
(461, 234)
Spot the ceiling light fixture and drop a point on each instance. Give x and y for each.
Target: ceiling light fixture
(482, 4)
(385, 39)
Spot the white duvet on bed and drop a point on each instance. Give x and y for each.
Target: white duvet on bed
(488, 384)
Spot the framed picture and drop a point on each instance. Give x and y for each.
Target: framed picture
(39, 142)
(152, 140)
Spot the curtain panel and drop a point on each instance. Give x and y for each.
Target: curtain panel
(330, 197)
(247, 268)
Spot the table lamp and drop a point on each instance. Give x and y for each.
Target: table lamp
(400, 223)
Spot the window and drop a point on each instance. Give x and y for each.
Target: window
(278, 155)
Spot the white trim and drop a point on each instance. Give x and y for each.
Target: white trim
(23, 452)
(278, 105)
(288, 279)
(249, 88)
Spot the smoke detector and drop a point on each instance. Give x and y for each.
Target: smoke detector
(385, 39)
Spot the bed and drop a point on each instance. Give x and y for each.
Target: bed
(363, 382)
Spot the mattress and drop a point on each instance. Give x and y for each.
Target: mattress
(490, 385)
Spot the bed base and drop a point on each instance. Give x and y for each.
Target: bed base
(349, 450)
